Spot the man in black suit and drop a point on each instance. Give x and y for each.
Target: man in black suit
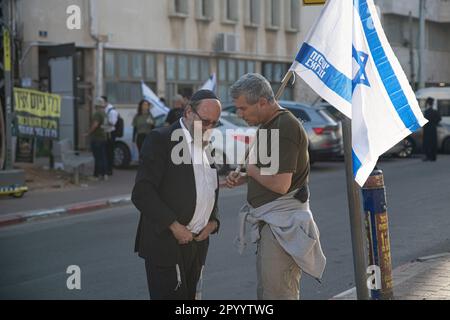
(176, 192)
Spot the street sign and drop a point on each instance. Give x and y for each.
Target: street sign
(313, 2)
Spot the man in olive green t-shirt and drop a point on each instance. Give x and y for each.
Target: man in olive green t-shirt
(277, 272)
(98, 140)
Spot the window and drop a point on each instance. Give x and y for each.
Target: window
(438, 36)
(124, 71)
(230, 11)
(109, 64)
(178, 8)
(253, 9)
(205, 9)
(137, 70)
(150, 67)
(444, 108)
(123, 65)
(273, 14)
(274, 73)
(182, 68)
(393, 26)
(230, 70)
(185, 74)
(194, 69)
(170, 67)
(293, 15)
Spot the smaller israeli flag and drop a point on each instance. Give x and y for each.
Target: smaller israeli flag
(159, 107)
(348, 61)
(210, 84)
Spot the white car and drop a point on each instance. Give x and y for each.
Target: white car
(231, 137)
(125, 150)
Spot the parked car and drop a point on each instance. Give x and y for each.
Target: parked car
(125, 150)
(414, 142)
(324, 134)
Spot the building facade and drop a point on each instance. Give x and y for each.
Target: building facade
(400, 20)
(175, 45)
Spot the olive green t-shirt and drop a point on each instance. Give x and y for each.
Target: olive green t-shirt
(143, 123)
(98, 134)
(293, 157)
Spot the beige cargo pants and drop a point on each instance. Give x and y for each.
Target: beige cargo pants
(278, 275)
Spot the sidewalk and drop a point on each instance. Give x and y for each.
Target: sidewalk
(427, 278)
(52, 193)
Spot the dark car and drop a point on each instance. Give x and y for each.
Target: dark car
(324, 134)
(412, 143)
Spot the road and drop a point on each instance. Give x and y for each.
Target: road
(34, 256)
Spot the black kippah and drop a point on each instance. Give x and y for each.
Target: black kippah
(202, 95)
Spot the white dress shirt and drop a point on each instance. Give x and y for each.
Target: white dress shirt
(205, 184)
(111, 118)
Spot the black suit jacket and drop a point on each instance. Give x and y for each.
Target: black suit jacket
(164, 192)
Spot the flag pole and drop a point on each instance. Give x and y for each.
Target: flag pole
(280, 91)
(354, 206)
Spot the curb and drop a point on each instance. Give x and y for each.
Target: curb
(77, 208)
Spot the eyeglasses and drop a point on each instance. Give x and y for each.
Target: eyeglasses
(205, 122)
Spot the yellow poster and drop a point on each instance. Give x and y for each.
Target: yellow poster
(37, 113)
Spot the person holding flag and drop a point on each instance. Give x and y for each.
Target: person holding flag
(278, 202)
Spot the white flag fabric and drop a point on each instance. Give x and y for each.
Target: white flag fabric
(210, 84)
(159, 107)
(347, 60)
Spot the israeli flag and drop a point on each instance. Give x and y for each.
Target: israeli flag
(210, 84)
(159, 107)
(347, 60)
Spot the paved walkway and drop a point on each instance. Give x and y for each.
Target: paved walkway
(427, 278)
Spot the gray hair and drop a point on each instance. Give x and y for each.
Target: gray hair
(252, 86)
(177, 97)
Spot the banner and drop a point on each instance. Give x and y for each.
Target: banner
(37, 113)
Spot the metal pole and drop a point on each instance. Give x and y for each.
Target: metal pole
(422, 60)
(356, 226)
(7, 67)
(411, 52)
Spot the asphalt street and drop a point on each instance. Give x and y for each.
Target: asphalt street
(34, 256)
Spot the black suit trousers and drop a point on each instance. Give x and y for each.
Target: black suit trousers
(178, 282)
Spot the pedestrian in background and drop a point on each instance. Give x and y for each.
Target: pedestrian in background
(143, 123)
(98, 140)
(111, 119)
(430, 131)
(176, 113)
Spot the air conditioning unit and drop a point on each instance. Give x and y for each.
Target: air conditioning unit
(226, 42)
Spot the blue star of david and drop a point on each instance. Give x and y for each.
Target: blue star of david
(361, 76)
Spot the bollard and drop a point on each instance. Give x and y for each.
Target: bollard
(377, 228)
